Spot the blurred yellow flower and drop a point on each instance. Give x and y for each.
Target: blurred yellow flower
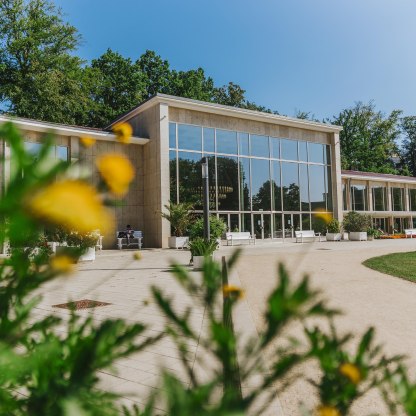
(123, 132)
(87, 141)
(62, 264)
(117, 172)
(232, 291)
(326, 216)
(328, 411)
(351, 371)
(137, 255)
(72, 204)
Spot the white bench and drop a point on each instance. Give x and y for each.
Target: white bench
(136, 240)
(231, 237)
(410, 232)
(308, 234)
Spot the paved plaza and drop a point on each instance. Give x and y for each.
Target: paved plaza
(366, 296)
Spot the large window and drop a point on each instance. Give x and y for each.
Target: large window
(412, 199)
(397, 196)
(56, 152)
(250, 174)
(379, 198)
(359, 197)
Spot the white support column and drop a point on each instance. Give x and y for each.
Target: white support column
(336, 177)
(370, 197)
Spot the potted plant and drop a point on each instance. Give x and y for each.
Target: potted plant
(373, 233)
(356, 224)
(217, 228)
(200, 249)
(333, 230)
(79, 246)
(180, 217)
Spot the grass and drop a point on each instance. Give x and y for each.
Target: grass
(397, 264)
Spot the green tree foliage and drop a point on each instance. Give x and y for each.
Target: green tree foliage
(368, 139)
(118, 85)
(408, 151)
(39, 78)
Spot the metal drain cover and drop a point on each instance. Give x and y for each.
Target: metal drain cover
(81, 304)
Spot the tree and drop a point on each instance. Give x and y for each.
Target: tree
(156, 72)
(368, 138)
(408, 151)
(118, 85)
(39, 78)
(192, 84)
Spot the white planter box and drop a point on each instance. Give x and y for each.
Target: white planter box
(358, 236)
(345, 236)
(178, 242)
(198, 262)
(333, 236)
(89, 255)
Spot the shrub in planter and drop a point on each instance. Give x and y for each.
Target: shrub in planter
(216, 225)
(356, 224)
(180, 217)
(333, 230)
(200, 249)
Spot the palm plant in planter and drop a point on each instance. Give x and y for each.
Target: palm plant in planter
(356, 224)
(180, 217)
(333, 230)
(200, 249)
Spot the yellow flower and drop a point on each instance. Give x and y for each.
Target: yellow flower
(87, 141)
(62, 264)
(351, 371)
(71, 204)
(327, 411)
(137, 255)
(326, 216)
(232, 292)
(123, 132)
(117, 172)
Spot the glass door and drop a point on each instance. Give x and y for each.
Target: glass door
(258, 226)
(291, 223)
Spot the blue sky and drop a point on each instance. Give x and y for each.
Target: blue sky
(312, 55)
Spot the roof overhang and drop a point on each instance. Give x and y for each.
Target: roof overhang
(242, 113)
(378, 178)
(62, 129)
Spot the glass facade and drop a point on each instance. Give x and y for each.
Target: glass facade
(379, 198)
(57, 152)
(359, 198)
(412, 199)
(254, 179)
(398, 201)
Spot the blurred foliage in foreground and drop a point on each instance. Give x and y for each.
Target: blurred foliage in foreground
(46, 371)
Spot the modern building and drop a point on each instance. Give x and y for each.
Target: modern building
(269, 174)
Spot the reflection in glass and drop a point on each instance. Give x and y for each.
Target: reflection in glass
(397, 199)
(172, 135)
(245, 184)
(209, 140)
(328, 189)
(379, 198)
(327, 154)
(246, 222)
(257, 225)
(289, 149)
(290, 186)
(412, 199)
(304, 187)
(260, 182)
(316, 153)
(303, 151)
(344, 197)
(190, 179)
(359, 197)
(62, 153)
(259, 146)
(306, 222)
(276, 187)
(172, 170)
(275, 147)
(227, 142)
(189, 137)
(267, 226)
(277, 226)
(244, 144)
(227, 171)
(234, 223)
(319, 224)
(317, 187)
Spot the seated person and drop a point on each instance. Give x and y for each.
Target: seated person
(128, 233)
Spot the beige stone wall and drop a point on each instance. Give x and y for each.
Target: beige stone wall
(130, 209)
(153, 123)
(248, 126)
